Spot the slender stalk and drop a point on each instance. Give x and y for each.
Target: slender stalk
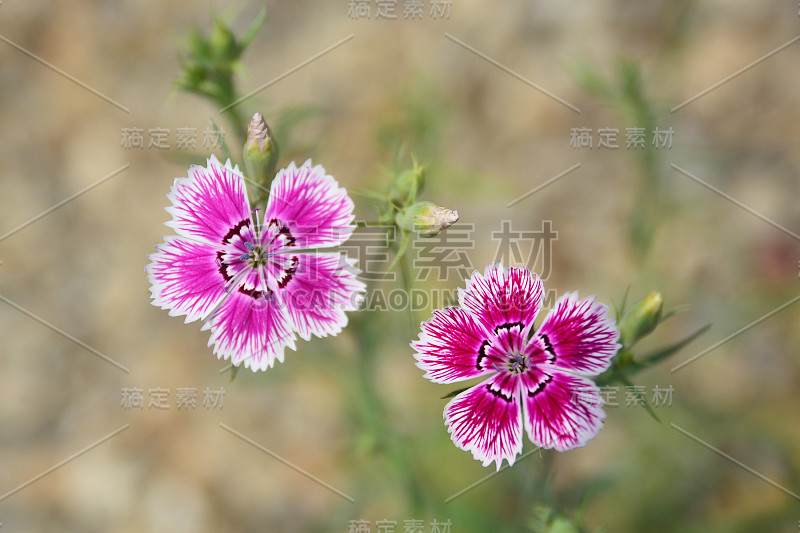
(374, 414)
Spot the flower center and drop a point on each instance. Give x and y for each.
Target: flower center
(517, 363)
(257, 256)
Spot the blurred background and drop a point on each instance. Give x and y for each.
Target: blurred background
(494, 102)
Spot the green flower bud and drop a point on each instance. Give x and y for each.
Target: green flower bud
(426, 218)
(641, 319)
(260, 152)
(223, 42)
(406, 186)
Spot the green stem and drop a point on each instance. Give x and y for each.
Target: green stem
(374, 413)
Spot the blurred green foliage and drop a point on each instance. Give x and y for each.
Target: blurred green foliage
(627, 94)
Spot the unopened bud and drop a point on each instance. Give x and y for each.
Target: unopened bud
(260, 152)
(641, 319)
(223, 42)
(406, 185)
(426, 218)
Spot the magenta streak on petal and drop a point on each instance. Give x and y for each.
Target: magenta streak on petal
(317, 290)
(537, 352)
(252, 284)
(578, 335)
(481, 363)
(255, 293)
(277, 236)
(289, 270)
(548, 348)
(561, 411)
(507, 349)
(185, 278)
(251, 328)
(233, 256)
(229, 266)
(487, 420)
(317, 212)
(535, 381)
(236, 231)
(503, 298)
(231, 285)
(453, 347)
(208, 203)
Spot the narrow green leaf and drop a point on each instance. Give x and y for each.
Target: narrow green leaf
(592, 81)
(659, 355)
(620, 310)
(366, 193)
(226, 152)
(400, 252)
(625, 381)
(675, 311)
(454, 393)
(254, 28)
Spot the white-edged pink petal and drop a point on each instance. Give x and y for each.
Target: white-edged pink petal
(578, 335)
(317, 289)
(487, 420)
(185, 277)
(503, 297)
(561, 411)
(210, 203)
(452, 347)
(252, 326)
(315, 211)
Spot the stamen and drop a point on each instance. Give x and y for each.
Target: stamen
(258, 228)
(518, 363)
(249, 245)
(244, 257)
